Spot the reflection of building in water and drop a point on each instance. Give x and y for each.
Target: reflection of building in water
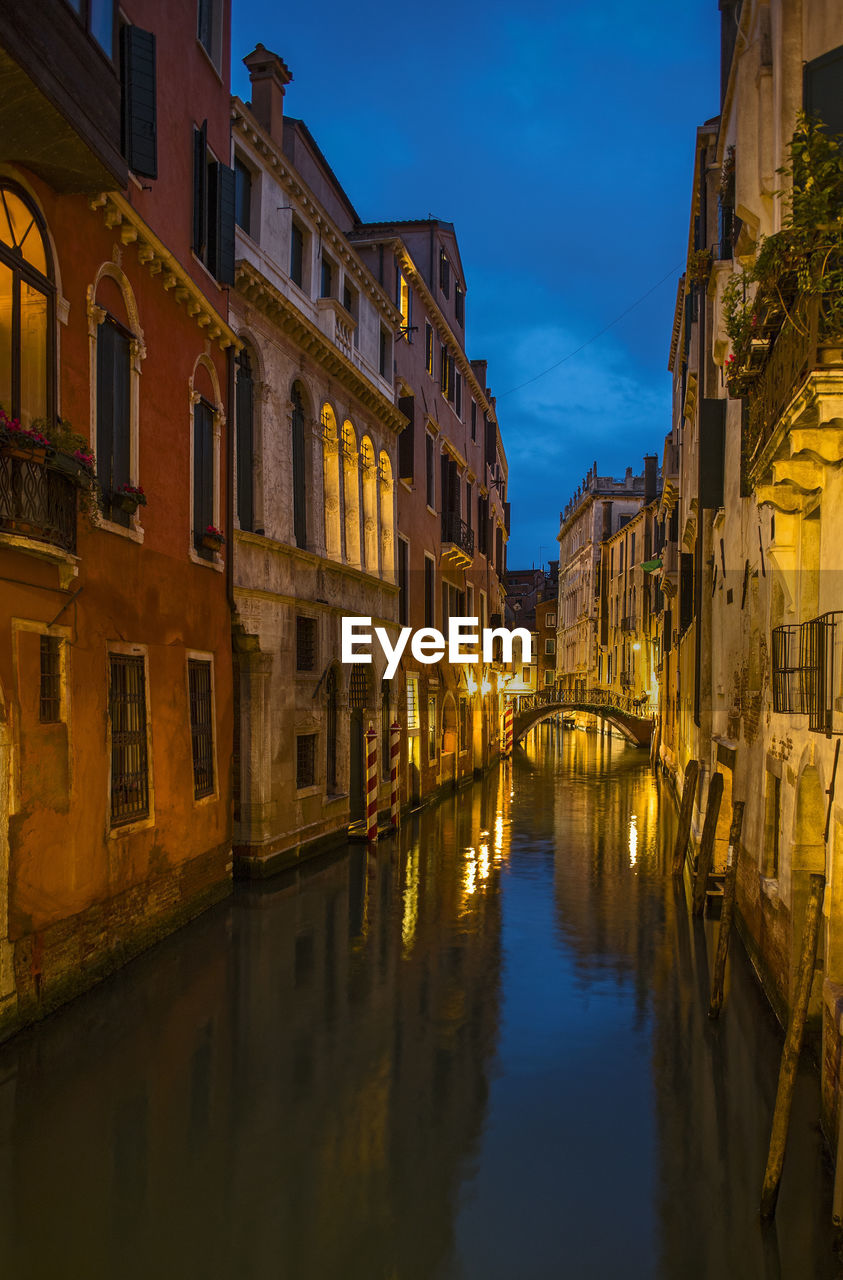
(301, 1100)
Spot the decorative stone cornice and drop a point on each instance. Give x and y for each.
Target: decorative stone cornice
(244, 123)
(283, 313)
(157, 258)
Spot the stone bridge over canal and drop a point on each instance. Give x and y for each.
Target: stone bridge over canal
(633, 717)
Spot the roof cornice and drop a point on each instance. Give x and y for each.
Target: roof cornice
(257, 290)
(279, 166)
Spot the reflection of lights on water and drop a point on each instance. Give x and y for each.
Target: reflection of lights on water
(471, 872)
(483, 862)
(499, 833)
(633, 839)
(411, 904)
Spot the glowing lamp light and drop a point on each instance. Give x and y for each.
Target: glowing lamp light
(636, 646)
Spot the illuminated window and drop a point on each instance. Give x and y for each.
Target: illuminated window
(428, 348)
(412, 702)
(459, 303)
(444, 273)
(431, 727)
(404, 302)
(27, 301)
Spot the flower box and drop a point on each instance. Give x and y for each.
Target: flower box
(212, 541)
(20, 449)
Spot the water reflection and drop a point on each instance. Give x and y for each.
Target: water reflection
(480, 1051)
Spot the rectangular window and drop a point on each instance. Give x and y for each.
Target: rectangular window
(214, 209)
(203, 475)
(327, 283)
(305, 643)
(473, 421)
(139, 126)
(458, 393)
(431, 471)
(209, 29)
(412, 702)
(549, 645)
(404, 302)
(428, 348)
(49, 711)
(306, 760)
(550, 620)
(297, 255)
(431, 727)
(403, 581)
(201, 726)
(526, 674)
(385, 355)
(127, 716)
(459, 304)
(444, 273)
(548, 677)
(429, 592)
(444, 369)
(242, 195)
(772, 825)
(468, 520)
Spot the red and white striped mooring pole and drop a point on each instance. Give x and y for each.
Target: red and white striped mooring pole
(371, 784)
(394, 751)
(507, 728)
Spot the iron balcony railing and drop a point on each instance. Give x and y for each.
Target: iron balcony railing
(37, 502)
(456, 531)
(628, 624)
(583, 698)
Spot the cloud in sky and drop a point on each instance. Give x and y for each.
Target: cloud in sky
(558, 138)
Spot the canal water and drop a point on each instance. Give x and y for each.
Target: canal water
(480, 1052)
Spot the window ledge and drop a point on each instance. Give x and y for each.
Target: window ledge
(200, 802)
(216, 564)
(335, 797)
(132, 828)
(134, 532)
(67, 564)
(210, 61)
(302, 793)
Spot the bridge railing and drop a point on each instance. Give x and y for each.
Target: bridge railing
(641, 708)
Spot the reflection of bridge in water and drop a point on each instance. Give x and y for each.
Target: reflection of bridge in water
(633, 717)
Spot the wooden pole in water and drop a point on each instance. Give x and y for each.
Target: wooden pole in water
(686, 813)
(712, 812)
(792, 1048)
(728, 912)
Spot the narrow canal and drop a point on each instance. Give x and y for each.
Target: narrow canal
(481, 1054)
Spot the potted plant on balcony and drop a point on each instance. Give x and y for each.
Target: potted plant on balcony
(128, 497)
(213, 539)
(17, 441)
(699, 267)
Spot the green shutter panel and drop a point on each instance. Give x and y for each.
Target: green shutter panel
(407, 439)
(226, 181)
(200, 187)
(139, 108)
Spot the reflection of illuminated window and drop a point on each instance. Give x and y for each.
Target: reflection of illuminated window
(26, 310)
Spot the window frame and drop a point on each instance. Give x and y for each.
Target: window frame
(22, 271)
(194, 660)
(135, 821)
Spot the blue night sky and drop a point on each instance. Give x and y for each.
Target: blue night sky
(558, 138)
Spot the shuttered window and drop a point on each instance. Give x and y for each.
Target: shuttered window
(214, 188)
(299, 484)
(428, 348)
(113, 416)
(245, 441)
(129, 761)
(201, 726)
(203, 474)
(139, 105)
(407, 439)
(712, 452)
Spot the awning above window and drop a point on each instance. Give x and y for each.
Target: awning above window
(649, 566)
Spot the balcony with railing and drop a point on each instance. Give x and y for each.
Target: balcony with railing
(807, 664)
(38, 505)
(457, 539)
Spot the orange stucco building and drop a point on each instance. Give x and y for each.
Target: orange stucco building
(116, 242)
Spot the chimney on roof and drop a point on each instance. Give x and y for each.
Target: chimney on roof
(269, 76)
(651, 470)
(628, 478)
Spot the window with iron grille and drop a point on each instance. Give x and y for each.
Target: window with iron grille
(431, 727)
(49, 710)
(358, 690)
(201, 726)
(129, 760)
(817, 654)
(787, 671)
(412, 702)
(305, 643)
(463, 724)
(306, 760)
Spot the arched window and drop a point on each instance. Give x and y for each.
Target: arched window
(331, 719)
(386, 514)
(116, 350)
(331, 483)
(245, 441)
(351, 493)
(299, 466)
(370, 506)
(27, 310)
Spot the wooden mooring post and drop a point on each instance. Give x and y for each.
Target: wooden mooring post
(728, 911)
(706, 853)
(792, 1048)
(686, 813)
